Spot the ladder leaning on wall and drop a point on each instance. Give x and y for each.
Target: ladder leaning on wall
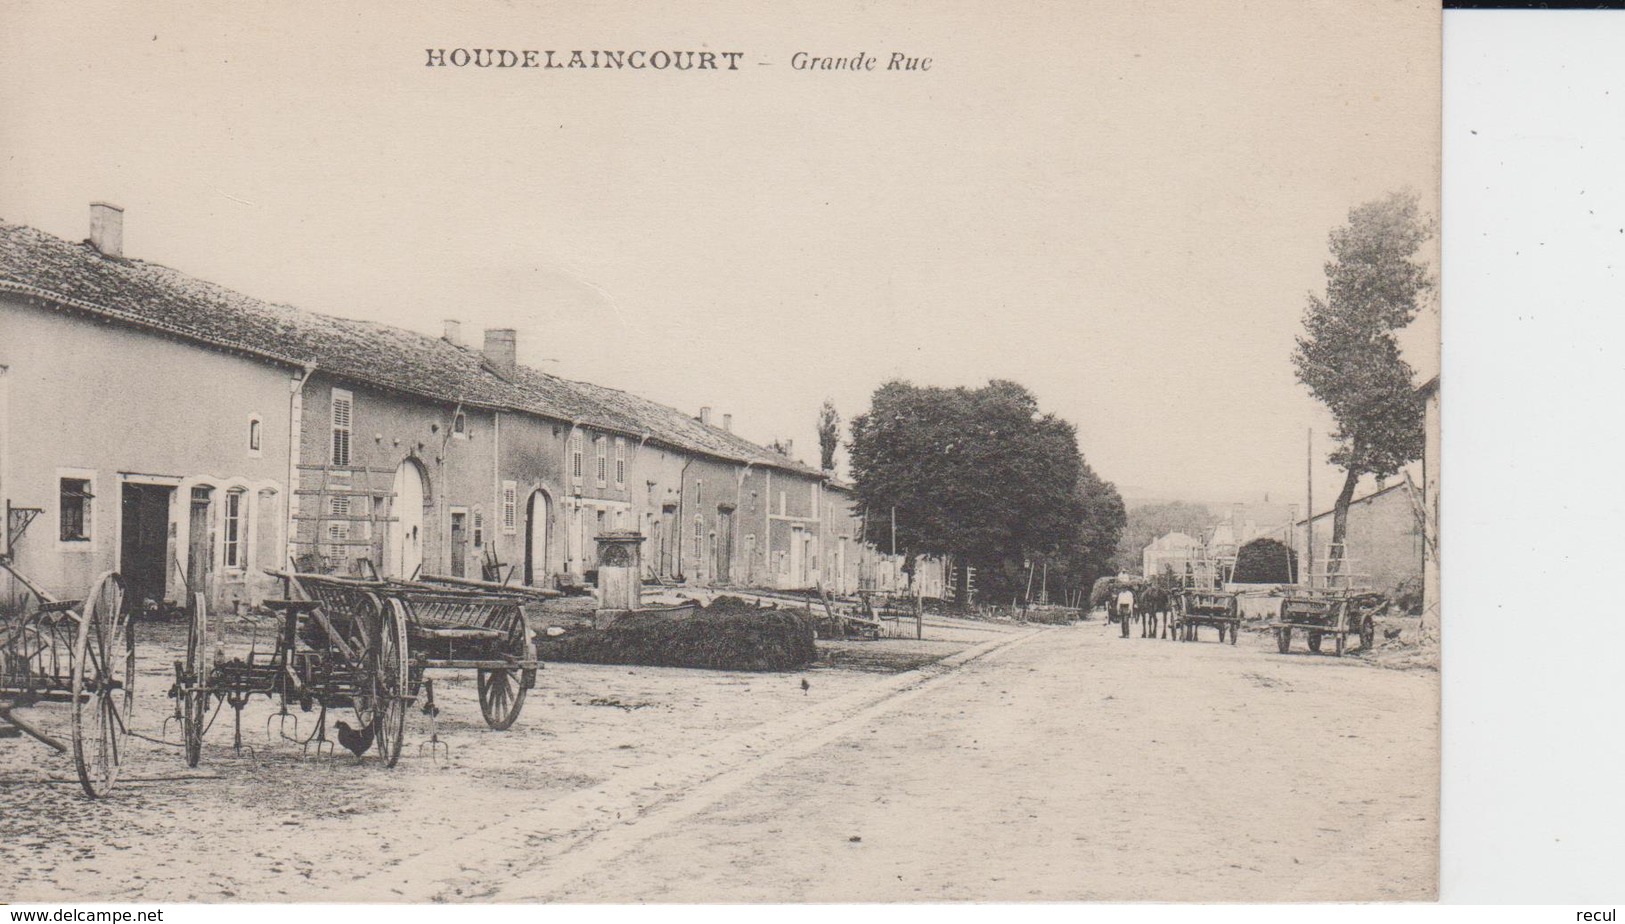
(330, 545)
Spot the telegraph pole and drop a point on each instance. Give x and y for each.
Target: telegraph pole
(1309, 515)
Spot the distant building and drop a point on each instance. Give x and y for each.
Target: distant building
(1384, 542)
(1177, 551)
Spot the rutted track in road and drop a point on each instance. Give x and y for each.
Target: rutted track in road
(537, 851)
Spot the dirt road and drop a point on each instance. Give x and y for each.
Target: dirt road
(1053, 764)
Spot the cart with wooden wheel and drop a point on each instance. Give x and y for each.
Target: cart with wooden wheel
(78, 652)
(338, 645)
(459, 626)
(1338, 615)
(1216, 608)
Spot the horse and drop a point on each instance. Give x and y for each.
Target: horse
(1149, 604)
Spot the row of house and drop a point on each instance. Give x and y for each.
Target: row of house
(194, 438)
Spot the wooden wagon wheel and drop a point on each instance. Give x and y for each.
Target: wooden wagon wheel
(1235, 630)
(1283, 638)
(365, 626)
(199, 665)
(390, 670)
(103, 685)
(502, 690)
(1339, 643)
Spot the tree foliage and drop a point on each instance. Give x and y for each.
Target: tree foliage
(981, 475)
(1348, 355)
(829, 434)
(1265, 561)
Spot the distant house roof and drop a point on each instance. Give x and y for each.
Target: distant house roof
(1363, 499)
(79, 279)
(1173, 541)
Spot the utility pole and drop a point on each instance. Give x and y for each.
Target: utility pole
(894, 531)
(1309, 514)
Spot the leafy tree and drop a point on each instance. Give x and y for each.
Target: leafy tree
(980, 475)
(1265, 561)
(829, 434)
(1348, 355)
(1151, 521)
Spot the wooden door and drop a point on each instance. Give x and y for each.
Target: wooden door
(144, 544)
(459, 543)
(724, 547)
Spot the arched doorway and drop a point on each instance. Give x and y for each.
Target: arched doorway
(403, 552)
(537, 513)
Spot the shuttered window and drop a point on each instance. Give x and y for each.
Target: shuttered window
(601, 450)
(620, 462)
(510, 506)
(343, 407)
(575, 457)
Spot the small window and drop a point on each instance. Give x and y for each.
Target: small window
(601, 451)
(232, 540)
(510, 507)
(620, 462)
(459, 424)
(575, 456)
(75, 507)
(254, 436)
(479, 529)
(699, 537)
(343, 410)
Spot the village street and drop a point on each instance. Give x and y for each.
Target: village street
(1054, 763)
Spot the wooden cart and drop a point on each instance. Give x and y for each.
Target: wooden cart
(1216, 608)
(339, 643)
(1338, 614)
(81, 653)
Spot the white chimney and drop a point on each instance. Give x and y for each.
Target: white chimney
(501, 350)
(790, 448)
(454, 332)
(705, 415)
(107, 228)
(728, 422)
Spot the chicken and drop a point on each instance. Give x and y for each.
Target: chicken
(356, 742)
(805, 686)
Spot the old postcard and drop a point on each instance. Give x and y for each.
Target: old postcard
(721, 452)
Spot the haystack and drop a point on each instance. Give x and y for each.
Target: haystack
(730, 634)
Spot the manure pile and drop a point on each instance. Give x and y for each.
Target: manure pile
(730, 634)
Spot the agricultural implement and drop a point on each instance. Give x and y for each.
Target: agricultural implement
(365, 645)
(81, 653)
(1337, 614)
(1216, 608)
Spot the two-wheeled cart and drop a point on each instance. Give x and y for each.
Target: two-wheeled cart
(1216, 608)
(78, 652)
(1337, 614)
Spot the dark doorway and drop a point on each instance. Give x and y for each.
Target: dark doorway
(724, 546)
(144, 543)
(459, 543)
(199, 543)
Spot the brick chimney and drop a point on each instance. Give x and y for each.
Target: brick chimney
(728, 422)
(454, 332)
(501, 350)
(107, 228)
(705, 416)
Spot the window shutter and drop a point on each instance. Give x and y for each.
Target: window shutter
(510, 507)
(343, 407)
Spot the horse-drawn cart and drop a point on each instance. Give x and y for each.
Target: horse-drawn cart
(1216, 608)
(1337, 614)
(81, 653)
(365, 645)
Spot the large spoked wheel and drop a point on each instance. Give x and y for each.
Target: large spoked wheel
(502, 690)
(195, 695)
(103, 684)
(1235, 630)
(1368, 633)
(364, 629)
(390, 677)
(1339, 643)
(1283, 639)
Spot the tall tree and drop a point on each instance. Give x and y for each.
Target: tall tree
(1348, 354)
(829, 435)
(980, 475)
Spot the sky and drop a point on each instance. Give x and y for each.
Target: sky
(1121, 205)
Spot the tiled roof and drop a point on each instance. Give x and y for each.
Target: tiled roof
(76, 277)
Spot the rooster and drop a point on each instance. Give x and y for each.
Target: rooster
(356, 742)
